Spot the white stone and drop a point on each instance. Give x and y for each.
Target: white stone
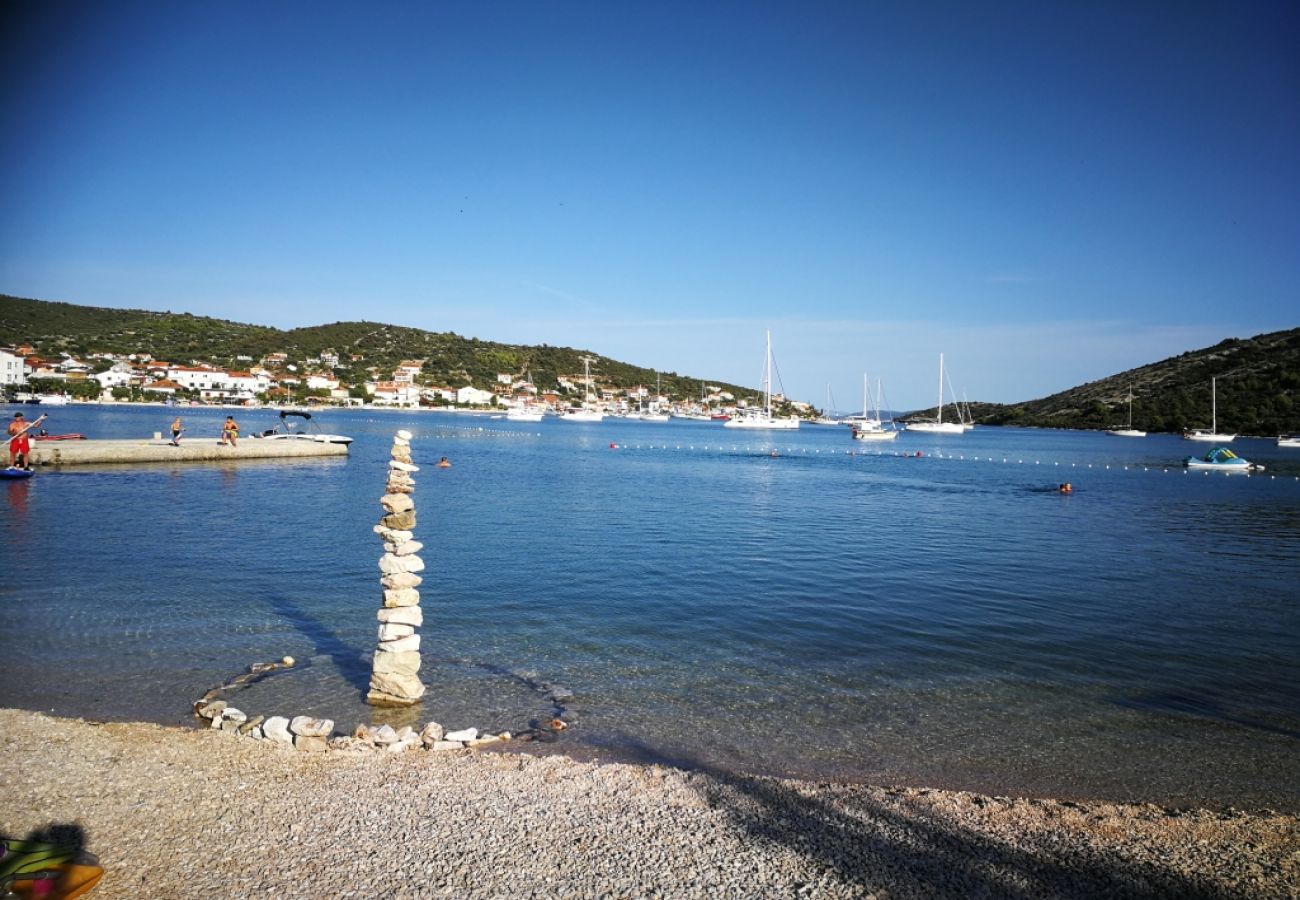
(405, 663)
(401, 644)
(401, 580)
(401, 597)
(306, 726)
(408, 743)
(402, 467)
(393, 534)
(276, 728)
(402, 615)
(397, 503)
(446, 745)
(465, 734)
(403, 435)
(431, 734)
(234, 716)
(394, 684)
(384, 734)
(403, 548)
(390, 564)
(389, 631)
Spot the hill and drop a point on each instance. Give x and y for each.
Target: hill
(1258, 378)
(449, 359)
(1258, 387)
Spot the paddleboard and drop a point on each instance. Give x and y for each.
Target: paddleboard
(16, 473)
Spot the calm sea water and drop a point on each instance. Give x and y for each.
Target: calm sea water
(948, 620)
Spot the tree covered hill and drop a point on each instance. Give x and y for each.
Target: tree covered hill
(362, 347)
(1258, 378)
(1258, 389)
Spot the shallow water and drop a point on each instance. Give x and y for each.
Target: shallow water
(948, 620)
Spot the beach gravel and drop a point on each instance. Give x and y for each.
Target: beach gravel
(173, 812)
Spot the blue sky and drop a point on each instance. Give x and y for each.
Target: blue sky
(1046, 192)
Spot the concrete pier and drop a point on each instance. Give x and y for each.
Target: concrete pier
(131, 452)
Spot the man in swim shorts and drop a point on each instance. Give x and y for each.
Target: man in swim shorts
(19, 446)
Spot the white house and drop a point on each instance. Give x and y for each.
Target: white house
(200, 378)
(13, 369)
(393, 393)
(321, 383)
(118, 376)
(472, 396)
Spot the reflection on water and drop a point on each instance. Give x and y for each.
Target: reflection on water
(824, 613)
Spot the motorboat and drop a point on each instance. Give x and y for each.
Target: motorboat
(291, 429)
(1221, 459)
(1288, 440)
(524, 414)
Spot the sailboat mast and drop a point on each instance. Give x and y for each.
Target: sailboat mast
(767, 377)
(940, 418)
(1214, 407)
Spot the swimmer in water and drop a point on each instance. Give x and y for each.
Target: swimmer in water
(444, 463)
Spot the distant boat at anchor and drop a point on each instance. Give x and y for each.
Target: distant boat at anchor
(1201, 434)
(938, 426)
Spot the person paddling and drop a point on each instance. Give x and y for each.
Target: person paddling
(20, 447)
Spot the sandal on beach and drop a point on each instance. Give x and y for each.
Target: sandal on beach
(25, 857)
(63, 882)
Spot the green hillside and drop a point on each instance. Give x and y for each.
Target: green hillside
(449, 359)
(1258, 387)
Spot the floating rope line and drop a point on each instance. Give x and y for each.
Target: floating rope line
(774, 451)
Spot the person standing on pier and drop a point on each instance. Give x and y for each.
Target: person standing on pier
(176, 431)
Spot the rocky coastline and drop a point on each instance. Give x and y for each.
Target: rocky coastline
(176, 812)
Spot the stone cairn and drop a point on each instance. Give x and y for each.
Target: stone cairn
(394, 678)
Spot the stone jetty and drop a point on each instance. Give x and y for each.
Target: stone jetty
(46, 454)
(394, 677)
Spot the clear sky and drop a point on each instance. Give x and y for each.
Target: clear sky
(1046, 192)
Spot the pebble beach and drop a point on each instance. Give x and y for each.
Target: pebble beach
(176, 812)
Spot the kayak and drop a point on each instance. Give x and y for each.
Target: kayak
(59, 437)
(12, 472)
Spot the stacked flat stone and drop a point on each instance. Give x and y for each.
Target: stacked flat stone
(394, 678)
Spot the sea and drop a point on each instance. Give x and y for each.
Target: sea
(931, 612)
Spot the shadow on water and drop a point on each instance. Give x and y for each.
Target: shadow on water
(876, 846)
(1200, 707)
(352, 662)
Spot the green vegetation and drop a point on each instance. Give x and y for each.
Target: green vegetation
(1258, 378)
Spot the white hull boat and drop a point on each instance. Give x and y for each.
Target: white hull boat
(1212, 434)
(938, 426)
(763, 420)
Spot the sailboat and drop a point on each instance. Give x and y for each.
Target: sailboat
(872, 429)
(826, 418)
(938, 426)
(1200, 434)
(753, 418)
(1128, 430)
(588, 412)
(654, 413)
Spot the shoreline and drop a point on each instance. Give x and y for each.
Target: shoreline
(183, 812)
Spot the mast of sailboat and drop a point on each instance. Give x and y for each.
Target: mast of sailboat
(940, 416)
(586, 376)
(767, 377)
(1214, 408)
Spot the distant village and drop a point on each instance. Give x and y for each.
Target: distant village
(274, 380)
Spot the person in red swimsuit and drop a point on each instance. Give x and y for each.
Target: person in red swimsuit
(19, 446)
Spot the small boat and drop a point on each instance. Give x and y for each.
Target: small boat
(1212, 434)
(59, 437)
(1221, 459)
(290, 430)
(524, 414)
(1128, 430)
(1288, 440)
(52, 399)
